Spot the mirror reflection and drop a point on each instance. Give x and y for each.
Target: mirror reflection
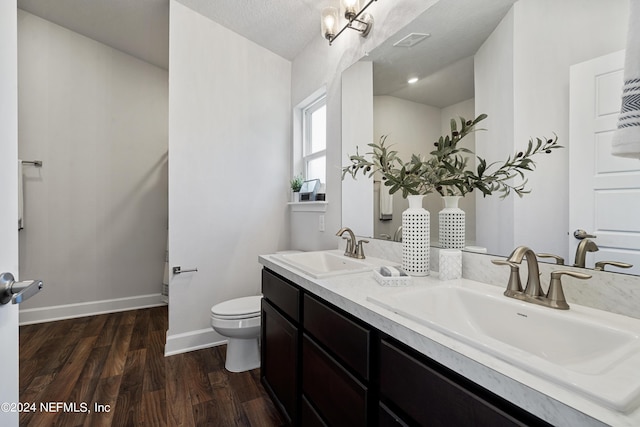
(511, 60)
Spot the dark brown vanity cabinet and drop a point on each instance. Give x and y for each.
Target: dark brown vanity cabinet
(336, 365)
(415, 390)
(316, 361)
(280, 344)
(324, 367)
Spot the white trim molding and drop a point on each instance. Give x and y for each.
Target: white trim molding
(317, 206)
(192, 340)
(91, 308)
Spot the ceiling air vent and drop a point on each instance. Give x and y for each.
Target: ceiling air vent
(411, 40)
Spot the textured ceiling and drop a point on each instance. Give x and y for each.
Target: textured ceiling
(141, 27)
(282, 26)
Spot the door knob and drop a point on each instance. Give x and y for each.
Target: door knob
(16, 292)
(581, 234)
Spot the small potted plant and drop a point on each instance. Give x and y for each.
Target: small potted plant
(296, 185)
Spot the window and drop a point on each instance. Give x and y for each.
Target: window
(314, 139)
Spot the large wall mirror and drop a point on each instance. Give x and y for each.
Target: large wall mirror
(511, 60)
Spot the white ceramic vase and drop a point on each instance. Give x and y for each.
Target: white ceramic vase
(415, 238)
(451, 224)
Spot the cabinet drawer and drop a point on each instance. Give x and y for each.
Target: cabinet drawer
(386, 418)
(310, 417)
(279, 369)
(338, 397)
(430, 398)
(283, 295)
(346, 339)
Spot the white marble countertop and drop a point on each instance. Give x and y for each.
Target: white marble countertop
(551, 402)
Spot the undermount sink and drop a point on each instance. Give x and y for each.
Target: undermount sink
(590, 351)
(320, 264)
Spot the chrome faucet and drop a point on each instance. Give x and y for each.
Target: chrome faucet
(397, 236)
(533, 291)
(533, 287)
(585, 245)
(354, 248)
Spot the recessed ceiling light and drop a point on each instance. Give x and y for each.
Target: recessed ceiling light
(412, 80)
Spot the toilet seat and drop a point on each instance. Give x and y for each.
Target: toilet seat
(238, 320)
(239, 308)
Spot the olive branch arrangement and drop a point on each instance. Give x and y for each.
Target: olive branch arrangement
(446, 169)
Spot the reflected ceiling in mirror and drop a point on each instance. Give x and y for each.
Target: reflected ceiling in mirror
(443, 61)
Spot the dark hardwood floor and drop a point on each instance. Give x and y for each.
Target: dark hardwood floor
(117, 361)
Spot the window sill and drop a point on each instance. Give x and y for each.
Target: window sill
(318, 206)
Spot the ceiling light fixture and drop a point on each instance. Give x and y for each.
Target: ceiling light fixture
(412, 80)
(356, 19)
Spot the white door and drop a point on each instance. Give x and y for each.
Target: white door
(8, 204)
(604, 189)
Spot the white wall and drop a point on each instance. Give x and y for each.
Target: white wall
(229, 169)
(410, 127)
(8, 193)
(96, 212)
(522, 82)
(493, 75)
(320, 64)
(357, 133)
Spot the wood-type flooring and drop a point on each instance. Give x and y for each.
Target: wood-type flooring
(110, 370)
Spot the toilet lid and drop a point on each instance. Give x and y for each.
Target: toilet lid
(239, 307)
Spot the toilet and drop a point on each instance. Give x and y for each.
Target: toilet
(239, 320)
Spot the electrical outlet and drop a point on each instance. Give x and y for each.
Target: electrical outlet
(321, 223)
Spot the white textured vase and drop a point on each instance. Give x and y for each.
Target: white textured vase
(451, 224)
(415, 238)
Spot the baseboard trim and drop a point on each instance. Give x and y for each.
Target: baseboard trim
(70, 311)
(193, 340)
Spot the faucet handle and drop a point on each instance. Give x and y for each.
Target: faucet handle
(514, 286)
(559, 259)
(555, 295)
(349, 248)
(359, 249)
(601, 264)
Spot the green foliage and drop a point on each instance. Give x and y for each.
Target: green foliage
(446, 169)
(296, 183)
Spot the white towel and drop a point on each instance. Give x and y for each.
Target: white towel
(391, 271)
(386, 203)
(626, 139)
(20, 197)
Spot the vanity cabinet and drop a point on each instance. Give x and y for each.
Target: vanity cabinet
(316, 360)
(415, 390)
(280, 344)
(336, 365)
(325, 367)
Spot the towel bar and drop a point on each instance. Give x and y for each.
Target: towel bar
(36, 163)
(178, 270)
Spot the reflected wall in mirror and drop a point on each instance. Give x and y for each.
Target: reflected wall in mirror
(511, 60)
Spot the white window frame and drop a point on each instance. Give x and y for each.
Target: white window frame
(302, 154)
